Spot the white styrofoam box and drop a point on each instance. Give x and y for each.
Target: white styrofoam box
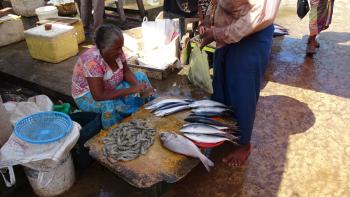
(46, 12)
(26, 7)
(54, 45)
(11, 28)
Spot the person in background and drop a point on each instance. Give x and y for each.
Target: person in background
(243, 31)
(320, 18)
(103, 83)
(86, 8)
(202, 8)
(205, 11)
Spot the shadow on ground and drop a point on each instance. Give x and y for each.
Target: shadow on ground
(278, 117)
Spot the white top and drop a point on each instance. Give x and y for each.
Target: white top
(56, 30)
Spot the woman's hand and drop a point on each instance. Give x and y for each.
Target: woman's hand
(204, 24)
(207, 37)
(139, 88)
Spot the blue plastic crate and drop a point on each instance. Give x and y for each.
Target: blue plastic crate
(43, 127)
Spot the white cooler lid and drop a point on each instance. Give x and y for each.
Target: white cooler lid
(56, 30)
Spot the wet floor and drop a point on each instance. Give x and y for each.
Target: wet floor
(301, 138)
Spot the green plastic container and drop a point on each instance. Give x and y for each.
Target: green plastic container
(64, 108)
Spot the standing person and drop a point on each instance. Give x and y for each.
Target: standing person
(243, 33)
(320, 18)
(87, 6)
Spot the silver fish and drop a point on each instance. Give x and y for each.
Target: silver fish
(166, 112)
(202, 127)
(211, 110)
(158, 104)
(172, 105)
(199, 128)
(206, 103)
(203, 138)
(182, 145)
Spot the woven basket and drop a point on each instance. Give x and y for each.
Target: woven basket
(67, 9)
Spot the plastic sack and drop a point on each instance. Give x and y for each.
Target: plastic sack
(160, 58)
(23, 109)
(158, 33)
(199, 74)
(15, 151)
(34, 104)
(42, 101)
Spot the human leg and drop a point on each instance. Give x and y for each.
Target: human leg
(219, 76)
(321, 12)
(99, 8)
(244, 68)
(86, 10)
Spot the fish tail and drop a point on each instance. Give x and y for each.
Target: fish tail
(230, 137)
(233, 141)
(206, 162)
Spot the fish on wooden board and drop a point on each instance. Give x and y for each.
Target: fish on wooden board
(172, 105)
(158, 104)
(209, 139)
(207, 103)
(211, 109)
(211, 114)
(182, 145)
(173, 110)
(210, 121)
(199, 128)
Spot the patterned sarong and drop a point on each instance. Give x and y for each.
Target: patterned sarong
(320, 15)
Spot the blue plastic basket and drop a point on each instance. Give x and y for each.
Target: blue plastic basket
(43, 127)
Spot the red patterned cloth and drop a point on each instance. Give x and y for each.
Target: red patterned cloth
(91, 64)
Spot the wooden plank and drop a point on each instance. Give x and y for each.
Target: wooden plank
(153, 73)
(158, 164)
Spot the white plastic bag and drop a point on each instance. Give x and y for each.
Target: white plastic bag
(23, 109)
(35, 104)
(42, 101)
(158, 33)
(160, 58)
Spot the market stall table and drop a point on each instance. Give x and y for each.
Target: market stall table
(158, 164)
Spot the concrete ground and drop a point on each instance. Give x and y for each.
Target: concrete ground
(301, 140)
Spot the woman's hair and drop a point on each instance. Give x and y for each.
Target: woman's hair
(106, 36)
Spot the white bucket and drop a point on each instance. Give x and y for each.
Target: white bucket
(26, 7)
(46, 12)
(51, 181)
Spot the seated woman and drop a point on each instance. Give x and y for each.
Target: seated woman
(102, 81)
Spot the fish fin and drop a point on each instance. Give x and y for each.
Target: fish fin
(206, 162)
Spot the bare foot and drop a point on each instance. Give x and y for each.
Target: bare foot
(238, 156)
